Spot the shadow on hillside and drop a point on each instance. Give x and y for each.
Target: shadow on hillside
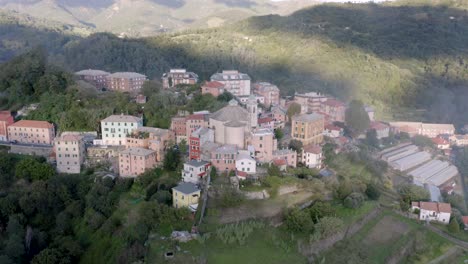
(387, 31)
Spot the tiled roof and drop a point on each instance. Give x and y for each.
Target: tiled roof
(186, 188)
(213, 84)
(126, 75)
(279, 162)
(440, 141)
(333, 127)
(121, 118)
(32, 124)
(196, 163)
(311, 148)
(137, 151)
(307, 117)
(334, 103)
(378, 125)
(435, 207)
(229, 76)
(465, 220)
(70, 137)
(92, 72)
(265, 120)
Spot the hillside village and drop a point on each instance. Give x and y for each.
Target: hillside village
(257, 134)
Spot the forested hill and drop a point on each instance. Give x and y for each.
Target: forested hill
(408, 61)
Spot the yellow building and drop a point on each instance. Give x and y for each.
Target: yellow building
(308, 128)
(186, 194)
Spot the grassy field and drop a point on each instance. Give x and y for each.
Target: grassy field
(267, 245)
(385, 236)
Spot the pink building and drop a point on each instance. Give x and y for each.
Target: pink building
(335, 109)
(264, 144)
(156, 139)
(279, 114)
(6, 119)
(214, 88)
(135, 161)
(194, 122)
(32, 132)
(269, 91)
(179, 127)
(266, 122)
(224, 158)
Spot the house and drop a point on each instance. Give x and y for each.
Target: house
(178, 76)
(31, 132)
(423, 129)
(312, 156)
(441, 143)
(266, 122)
(280, 163)
(241, 175)
(335, 109)
(125, 81)
(308, 128)
(214, 88)
(381, 129)
(279, 115)
(115, 128)
(70, 152)
(465, 222)
(186, 194)
(269, 91)
(6, 119)
(236, 83)
(310, 102)
(199, 137)
(246, 163)
(223, 158)
(244, 99)
(95, 77)
(432, 211)
(135, 161)
(459, 140)
(289, 155)
(194, 171)
(179, 127)
(153, 138)
(333, 131)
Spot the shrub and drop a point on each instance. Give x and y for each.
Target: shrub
(354, 200)
(299, 221)
(453, 226)
(373, 192)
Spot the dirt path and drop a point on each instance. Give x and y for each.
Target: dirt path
(448, 254)
(452, 239)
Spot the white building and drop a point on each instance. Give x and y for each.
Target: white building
(246, 163)
(69, 153)
(194, 171)
(234, 82)
(115, 128)
(431, 211)
(312, 156)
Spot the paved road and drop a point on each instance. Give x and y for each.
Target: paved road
(9, 144)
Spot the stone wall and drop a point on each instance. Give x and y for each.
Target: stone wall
(45, 151)
(256, 195)
(287, 189)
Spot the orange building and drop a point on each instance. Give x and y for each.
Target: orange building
(135, 161)
(308, 128)
(32, 132)
(214, 88)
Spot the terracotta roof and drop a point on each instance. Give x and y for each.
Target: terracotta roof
(440, 141)
(435, 207)
(70, 137)
(241, 173)
(279, 162)
(265, 120)
(313, 149)
(378, 125)
(196, 117)
(307, 117)
(138, 151)
(334, 103)
(33, 124)
(213, 84)
(122, 118)
(465, 220)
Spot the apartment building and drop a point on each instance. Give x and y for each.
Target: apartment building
(179, 127)
(156, 139)
(269, 91)
(308, 128)
(115, 128)
(223, 158)
(335, 109)
(178, 76)
(70, 152)
(264, 144)
(135, 161)
(31, 132)
(214, 88)
(186, 194)
(312, 156)
(199, 138)
(6, 119)
(125, 81)
(97, 78)
(310, 102)
(234, 82)
(194, 171)
(194, 122)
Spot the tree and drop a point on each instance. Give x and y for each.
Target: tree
(356, 118)
(453, 226)
(274, 170)
(329, 154)
(183, 148)
(299, 221)
(373, 192)
(422, 141)
(411, 192)
(171, 159)
(225, 97)
(14, 247)
(150, 88)
(293, 109)
(328, 226)
(321, 209)
(354, 200)
(279, 134)
(296, 145)
(48, 256)
(371, 138)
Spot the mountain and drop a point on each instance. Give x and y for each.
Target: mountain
(149, 17)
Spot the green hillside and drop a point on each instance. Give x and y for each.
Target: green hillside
(407, 61)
